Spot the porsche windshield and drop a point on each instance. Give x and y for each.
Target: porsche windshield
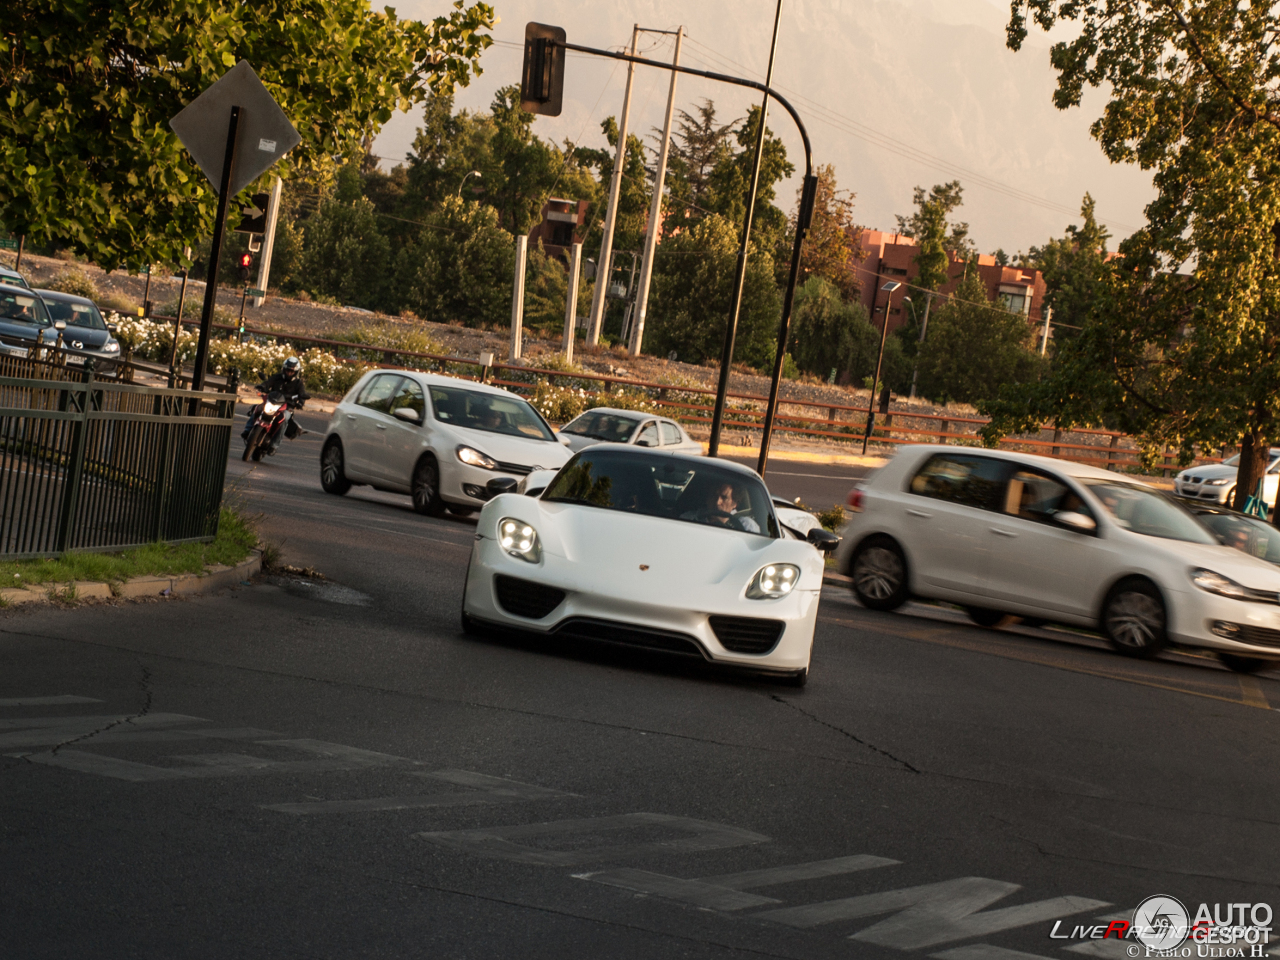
(674, 488)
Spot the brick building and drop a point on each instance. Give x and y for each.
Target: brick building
(890, 256)
(563, 222)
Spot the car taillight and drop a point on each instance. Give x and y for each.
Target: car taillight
(855, 500)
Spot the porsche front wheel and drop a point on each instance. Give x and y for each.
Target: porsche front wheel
(879, 574)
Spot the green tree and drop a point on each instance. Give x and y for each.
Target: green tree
(831, 249)
(830, 335)
(546, 286)
(459, 268)
(698, 145)
(692, 287)
(974, 347)
(344, 254)
(87, 158)
(1184, 343)
(937, 235)
(726, 191)
(1074, 268)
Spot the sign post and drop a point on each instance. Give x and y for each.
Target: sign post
(257, 135)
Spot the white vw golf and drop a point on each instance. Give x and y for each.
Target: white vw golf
(1004, 533)
(650, 549)
(439, 439)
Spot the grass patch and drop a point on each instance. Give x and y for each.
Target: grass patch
(236, 537)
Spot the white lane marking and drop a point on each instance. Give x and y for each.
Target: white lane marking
(933, 913)
(51, 731)
(44, 701)
(725, 892)
(815, 476)
(792, 873)
(488, 790)
(690, 836)
(984, 951)
(694, 892)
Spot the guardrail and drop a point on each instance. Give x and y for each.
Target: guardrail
(1110, 449)
(89, 464)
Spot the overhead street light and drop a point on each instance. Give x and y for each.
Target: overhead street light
(473, 173)
(888, 289)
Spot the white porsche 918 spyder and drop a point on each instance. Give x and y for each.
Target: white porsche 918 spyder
(650, 549)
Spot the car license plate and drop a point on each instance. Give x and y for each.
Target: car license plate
(17, 351)
(75, 359)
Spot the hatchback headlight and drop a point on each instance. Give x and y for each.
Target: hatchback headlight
(774, 581)
(1217, 583)
(477, 459)
(519, 539)
(111, 347)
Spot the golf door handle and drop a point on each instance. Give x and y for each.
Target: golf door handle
(351, 416)
(381, 426)
(1002, 533)
(920, 513)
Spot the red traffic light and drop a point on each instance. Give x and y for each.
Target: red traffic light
(246, 261)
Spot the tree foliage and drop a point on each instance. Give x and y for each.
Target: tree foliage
(974, 347)
(1183, 345)
(937, 235)
(832, 248)
(344, 254)
(830, 335)
(1074, 268)
(87, 89)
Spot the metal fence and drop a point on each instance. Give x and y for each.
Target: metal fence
(89, 464)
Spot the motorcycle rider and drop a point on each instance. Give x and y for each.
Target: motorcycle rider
(289, 382)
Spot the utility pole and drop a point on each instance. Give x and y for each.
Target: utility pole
(1044, 340)
(655, 209)
(603, 271)
(517, 298)
(571, 302)
(740, 274)
(268, 242)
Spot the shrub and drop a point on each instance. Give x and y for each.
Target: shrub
(560, 404)
(74, 281)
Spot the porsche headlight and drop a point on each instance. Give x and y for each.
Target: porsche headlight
(477, 459)
(519, 539)
(1217, 583)
(774, 581)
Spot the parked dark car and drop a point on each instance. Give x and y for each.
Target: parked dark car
(87, 334)
(24, 321)
(13, 277)
(1258, 538)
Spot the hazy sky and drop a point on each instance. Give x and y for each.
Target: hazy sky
(895, 94)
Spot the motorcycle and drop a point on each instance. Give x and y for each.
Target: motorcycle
(270, 420)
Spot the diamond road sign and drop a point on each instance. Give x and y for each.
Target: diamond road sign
(264, 134)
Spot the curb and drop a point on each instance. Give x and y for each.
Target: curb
(215, 577)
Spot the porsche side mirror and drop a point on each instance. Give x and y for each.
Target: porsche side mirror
(1078, 522)
(501, 485)
(407, 414)
(824, 540)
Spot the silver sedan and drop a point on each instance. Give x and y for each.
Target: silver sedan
(607, 425)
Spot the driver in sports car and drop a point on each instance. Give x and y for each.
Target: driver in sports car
(720, 508)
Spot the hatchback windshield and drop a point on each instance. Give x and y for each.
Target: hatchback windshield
(1247, 534)
(611, 427)
(1148, 512)
(491, 412)
(19, 308)
(675, 488)
(76, 314)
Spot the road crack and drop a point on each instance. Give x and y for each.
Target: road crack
(843, 732)
(144, 682)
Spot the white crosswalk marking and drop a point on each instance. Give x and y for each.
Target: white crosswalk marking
(486, 790)
(44, 701)
(933, 913)
(814, 870)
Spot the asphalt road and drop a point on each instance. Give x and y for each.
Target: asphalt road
(818, 485)
(304, 769)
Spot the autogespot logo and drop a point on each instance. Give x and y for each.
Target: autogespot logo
(1161, 922)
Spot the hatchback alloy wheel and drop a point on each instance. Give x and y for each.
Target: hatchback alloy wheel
(879, 575)
(1135, 619)
(333, 476)
(426, 488)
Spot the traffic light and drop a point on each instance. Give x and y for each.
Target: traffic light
(246, 261)
(542, 83)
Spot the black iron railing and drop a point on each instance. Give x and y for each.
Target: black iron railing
(91, 464)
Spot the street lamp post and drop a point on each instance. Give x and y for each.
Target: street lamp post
(473, 173)
(888, 289)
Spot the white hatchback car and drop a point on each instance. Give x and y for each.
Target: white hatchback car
(442, 440)
(1004, 533)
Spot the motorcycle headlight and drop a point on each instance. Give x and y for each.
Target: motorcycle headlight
(477, 459)
(519, 539)
(774, 581)
(1217, 583)
(269, 409)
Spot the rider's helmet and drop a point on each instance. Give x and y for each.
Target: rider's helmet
(291, 367)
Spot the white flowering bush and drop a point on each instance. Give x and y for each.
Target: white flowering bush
(560, 404)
